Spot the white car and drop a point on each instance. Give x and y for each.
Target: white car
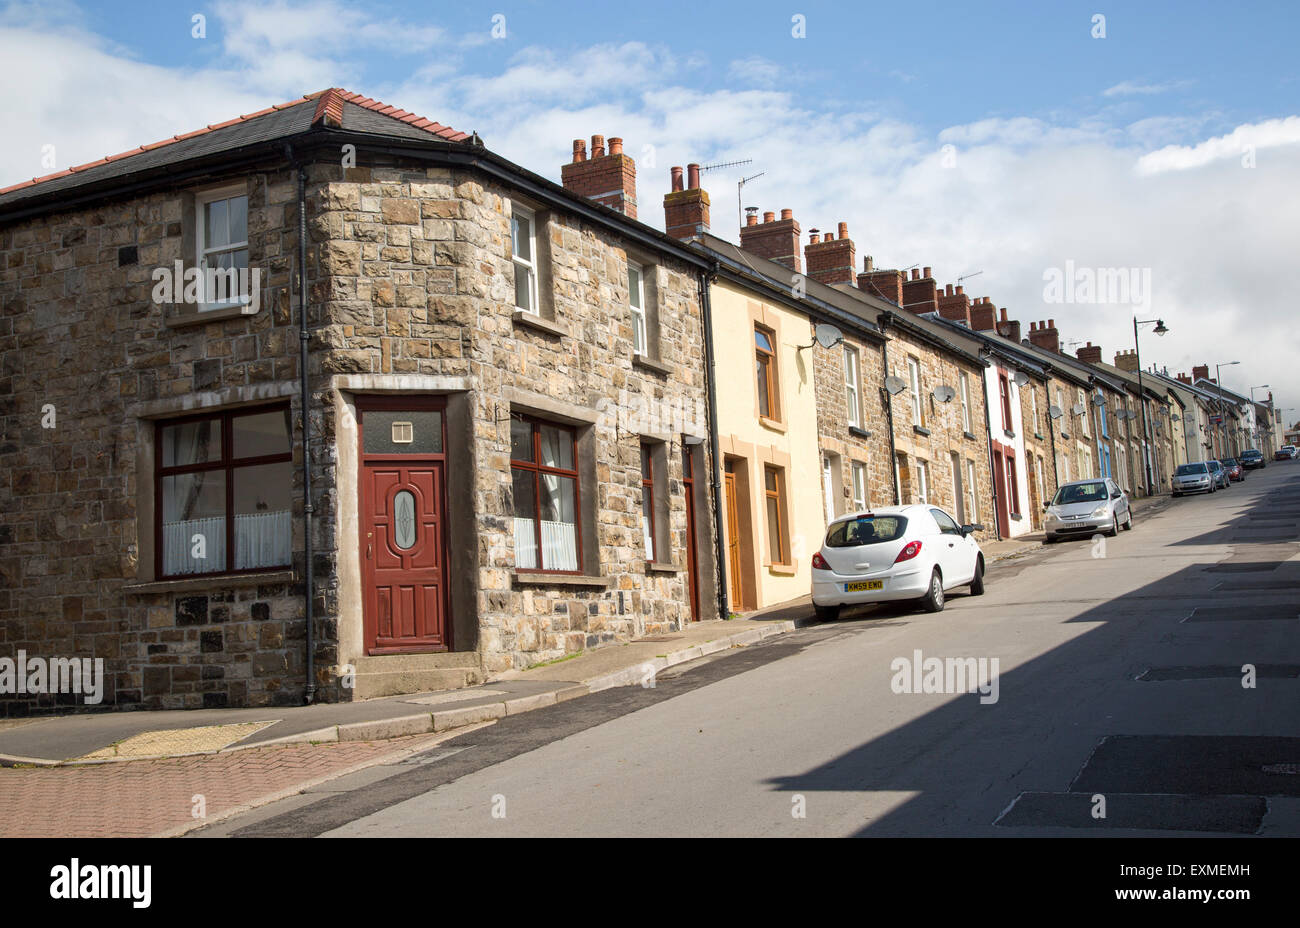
(895, 553)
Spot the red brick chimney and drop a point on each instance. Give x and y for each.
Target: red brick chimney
(1183, 378)
(1009, 328)
(1201, 372)
(831, 260)
(609, 179)
(920, 294)
(888, 285)
(686, 211)
(954, 305)
(774, 239)
(983, 315)
(1089, 354)
(1044, 335)
(1126, 360)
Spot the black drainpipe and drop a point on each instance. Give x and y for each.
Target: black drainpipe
(309, 596)
(993, 471)
(706, 315)
(883, 320)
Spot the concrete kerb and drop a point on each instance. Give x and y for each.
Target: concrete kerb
(639, 673)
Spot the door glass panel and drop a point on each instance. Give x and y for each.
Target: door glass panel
(409, 431)
(404, 519)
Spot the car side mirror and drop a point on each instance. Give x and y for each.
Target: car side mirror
(973, 527)
(1046, 506)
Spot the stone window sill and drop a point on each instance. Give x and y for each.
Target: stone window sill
(544, 578)
(179, 316)
(1008, 433)
(209, 581)
(534, 321)
(650, 364)
(969, 435)
(662, 567)
(920, 430)
(859, 432)
(1038, 436)
(783, 570)
(773, 424)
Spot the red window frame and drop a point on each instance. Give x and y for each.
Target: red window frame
(1005, 389)
(537, 468)
(648, 491)
(227, 463)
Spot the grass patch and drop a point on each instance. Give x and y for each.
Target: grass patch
(557, 660)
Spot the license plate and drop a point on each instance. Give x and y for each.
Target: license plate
(862, 585)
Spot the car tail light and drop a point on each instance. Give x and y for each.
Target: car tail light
(911, 550)
(819, 562)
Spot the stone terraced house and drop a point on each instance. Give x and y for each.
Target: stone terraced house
(497, 452)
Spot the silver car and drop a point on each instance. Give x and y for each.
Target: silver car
(1193, 478)
(1219, 474)
(1084, 507)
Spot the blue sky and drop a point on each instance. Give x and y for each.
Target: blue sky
(1002, 138)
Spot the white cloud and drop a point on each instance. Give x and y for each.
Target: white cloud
(1129, 88)
(755, 70)
(1243, 140)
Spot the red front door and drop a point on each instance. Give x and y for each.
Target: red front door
(999, 475)
(402, 526)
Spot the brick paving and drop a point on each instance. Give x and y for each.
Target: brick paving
(151, 797)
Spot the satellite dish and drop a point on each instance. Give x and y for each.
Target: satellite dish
(1077, 409)
(827, 335)
(1054, 411)
(1098, 400)
(895, 385)
(1021, 378)
(944, 393)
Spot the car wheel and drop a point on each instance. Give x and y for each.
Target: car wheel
(933, 600)
(977, 584)
(827, 613)
(1114, 530)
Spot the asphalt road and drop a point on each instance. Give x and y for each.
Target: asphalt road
(1121, 708)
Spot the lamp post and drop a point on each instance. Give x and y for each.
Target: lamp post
(1254, 413)
(1223, 420)
(1146, 452)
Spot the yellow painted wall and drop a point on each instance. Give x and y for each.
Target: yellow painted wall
(789, 442)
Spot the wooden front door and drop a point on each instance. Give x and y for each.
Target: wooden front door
(1003, 513)
(692, 580)
(403, 507)
(736, 596)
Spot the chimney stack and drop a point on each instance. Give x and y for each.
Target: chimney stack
(1044, 335)
(920, 294)
(686, 212)
(1126, 360)
(1201, 372)
(774, 239)
(1183, 378)
(983, 315)
(954, 306)
(1089, 354)
(1009, 328)
(888, 285)
(831, 260)
(608, 179)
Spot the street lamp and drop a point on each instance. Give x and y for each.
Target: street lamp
(1254, 417)
(1159, 330)
(1223, 420)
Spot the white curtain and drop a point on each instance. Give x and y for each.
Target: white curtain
(262, 539)
(559, 545)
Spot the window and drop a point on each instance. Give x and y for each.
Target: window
(523, 249)
(1060, 404)
(914, 381)
(222, 247)
(972, 510)
(765, 360)
(648, 500)
(946, 525)
(777, 541)
(546, 500)
(1083, 424)
(1085, 465)
(1033, 393)
(1042, 484)
(636, 298)
(1101, 414)
(965, 401)
(958, 497)
(224, 489)
(851, 382)
(859, 471)
(922, 482)
(1013, 486)
(1004, 394)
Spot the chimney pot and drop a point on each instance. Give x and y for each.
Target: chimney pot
(844, 230)
(693, 176)
(960, 289)
(925, 275)
(597, 146)
(787, 214)
(916, 275)
(610, 183)
(579, 151)
(814, 238)
(1003, 311)
(948, 290)
(1051, 323)
(751, 215)
(769, 216)
(868, 263)
(677, 178)
(615, 146)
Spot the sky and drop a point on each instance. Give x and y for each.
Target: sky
(1014, 145)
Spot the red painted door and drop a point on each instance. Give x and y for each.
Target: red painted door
(999, 475)
(688, 482)
(405, 573)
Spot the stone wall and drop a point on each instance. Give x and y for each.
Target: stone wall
(833, 431)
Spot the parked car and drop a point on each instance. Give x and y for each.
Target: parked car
(1281, 454)
(1252, 458)
(1233, 467)
(1290, 451)
(1221, 479)
(1085, 507)
(1193, 478)
(895, 553)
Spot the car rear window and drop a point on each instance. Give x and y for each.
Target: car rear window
(1185, 470)
(1080, 493)
(866, 530)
